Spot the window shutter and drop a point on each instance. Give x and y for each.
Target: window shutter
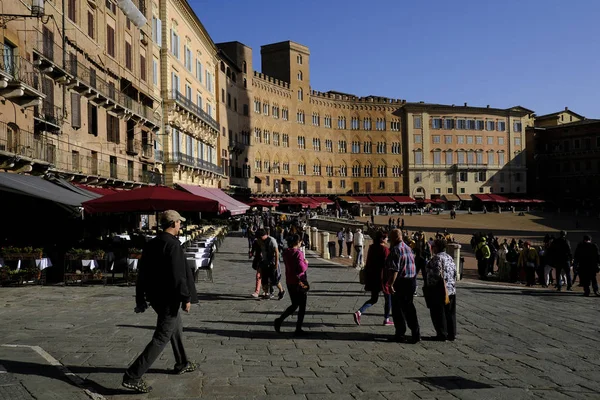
(159, 32)
(75, 110)
(142, 68)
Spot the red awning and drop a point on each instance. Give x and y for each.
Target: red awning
(98, 190)
(362, 199)
(439, 201)
(232, 205)
(349, 199)
(151, 199)
(498, 199)
(294, 201)
(425, 201)
(260, 203)
(382, 199)
(322, 200)
(484, 198)
(537, 201)
(403, 200)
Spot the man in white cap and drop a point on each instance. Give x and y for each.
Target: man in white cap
(164, 282)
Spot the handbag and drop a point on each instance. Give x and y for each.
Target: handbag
(303, 286)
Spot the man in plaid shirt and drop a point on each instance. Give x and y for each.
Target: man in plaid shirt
(402, 283)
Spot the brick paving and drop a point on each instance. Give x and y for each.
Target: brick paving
(512, 343)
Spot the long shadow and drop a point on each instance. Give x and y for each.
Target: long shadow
(308, 313)
(270, 323)
(217, 296)
(451, 382)
(523, 292)
(49, 371)
(287, 333)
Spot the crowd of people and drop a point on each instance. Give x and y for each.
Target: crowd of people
(552, 262)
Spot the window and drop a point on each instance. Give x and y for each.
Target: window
(316, 144)
(501, 141)
(266, 109)
(380, 124)
(142, 67)
(381, 185)
(447, 139)
(341, 122)
(299, 59)
(500, 159)
(460, 139)
(436, 123)
(356, 171)
(418, 138)
(449, 158)
(501, 126)
(368, 170)
(275, 112)
(470, 157)
(395, 126)
(329, 170)
(199, 70)
(449, 124)
(275, 139)
(110, 40)
(479, 125)
(463, 176)
(316, 169)
(479, 139)
(301, 142)
(436, 139)
(257, 135)
(257, 106)
(517, 141)
(367, 124)
(367, 147)
(342, 146)
(490, 140)
(299, 75)
(437, 157)
(417, 122)
(355, 123)
(72, 10)
(418, 157)
(210, 82)
(517, 177)
(286, 168)
(343, 170)
(300, 117)
(479, 155)
(355, 147)
(112, 128)
(469, 139)
(92, 119)
(489, 125)
(91, 24)
(461, 124)
(329, 145)
(381, 147)
(381, 171)
(461, 157)
(437, 177)
(491, 158)
(188, 92)
(75, 110)
(300, 94)
(187, 58)
(328, 121)
(284, 114)
(316, 119)
(343, 183)
(199, 100)
(157, 31)
(286, 140)
(128, 57)
(418, 177)
(396, 171)
(267, 137)
(471, 124)
(396, 148)
(174, 44)
(517, 126)
(450, 190)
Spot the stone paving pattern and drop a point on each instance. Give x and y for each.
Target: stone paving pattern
(512, 343)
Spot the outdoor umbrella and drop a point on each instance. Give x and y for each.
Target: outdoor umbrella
(151, 199)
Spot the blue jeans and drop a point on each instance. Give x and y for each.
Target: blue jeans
(373, 300)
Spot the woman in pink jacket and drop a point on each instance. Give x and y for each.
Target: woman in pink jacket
(295, 276)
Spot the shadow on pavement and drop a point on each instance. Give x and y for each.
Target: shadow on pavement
(522, 292)
(451, 382)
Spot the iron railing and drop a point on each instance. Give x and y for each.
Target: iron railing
(133, 146)
(49, 113)
(20, 69)
(152, 177)
(147, 150)
(159, 155)
(186, 159)
(194, 108)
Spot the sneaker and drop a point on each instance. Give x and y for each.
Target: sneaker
(271, 296)
(357, 318)
(255, 295)
(277, 324)
(139, 385)
(190, 367)
(387, 322)
(281, 294)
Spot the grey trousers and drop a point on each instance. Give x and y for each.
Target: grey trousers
(169, 328)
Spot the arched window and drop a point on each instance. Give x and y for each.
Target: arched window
(244, 66)
(300, 94)
(300, 75)
(222, 66)
(449, 157)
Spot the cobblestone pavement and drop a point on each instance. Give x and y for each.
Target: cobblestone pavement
(512, 343)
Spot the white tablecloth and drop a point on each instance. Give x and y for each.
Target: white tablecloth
(89, 263)
(43, 263)
(196, 263)
(132, 263)
(124, 236)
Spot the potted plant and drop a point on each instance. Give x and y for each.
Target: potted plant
(135, 253)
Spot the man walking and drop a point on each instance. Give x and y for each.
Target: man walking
(269, 267)
(340, 240)
(482, 255)
(562, 258)
(588, 258)
(359, 242)
(163, 281)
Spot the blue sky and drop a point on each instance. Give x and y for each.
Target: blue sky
(541, 54)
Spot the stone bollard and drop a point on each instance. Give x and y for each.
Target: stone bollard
(454, 250)
(314, 238)
(324, 245)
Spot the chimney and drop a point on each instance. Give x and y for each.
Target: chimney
(566, 108)
(465, 104)
(488, 106)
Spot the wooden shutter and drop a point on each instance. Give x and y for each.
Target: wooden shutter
(142, 68)
(110, 40)
(76, 110)
(92, 119)
(128, 58)
(91, 25)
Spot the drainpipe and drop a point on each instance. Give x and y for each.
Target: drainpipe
(64, 60)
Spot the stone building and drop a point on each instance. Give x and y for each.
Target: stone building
(564, 161)
(463, 150)
(94, 111)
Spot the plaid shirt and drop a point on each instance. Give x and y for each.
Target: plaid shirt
(402, 260)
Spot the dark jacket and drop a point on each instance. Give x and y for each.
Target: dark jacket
(375, 264)
(586, 255)
(163, 276)
(561, 252)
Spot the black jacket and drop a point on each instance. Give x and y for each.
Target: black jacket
(586, 255)
(561, 252)
(163, 278)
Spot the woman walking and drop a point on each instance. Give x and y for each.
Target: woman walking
(441, 279)
(374, 268)
(297, 283)
(529, 261)
(349, 238)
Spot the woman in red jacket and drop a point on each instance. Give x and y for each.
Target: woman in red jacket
(374, 268)
(297, 284)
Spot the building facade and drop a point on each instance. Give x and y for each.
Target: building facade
(93, 113)
(564, 163)
(464, 150)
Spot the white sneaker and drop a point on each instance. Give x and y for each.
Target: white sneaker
(350, 257)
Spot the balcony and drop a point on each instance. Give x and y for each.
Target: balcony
(151, 177)
(190, 161)
(48, 56)
(147, 150)
(100, 92)
(236, 147)
(133, 147)
(25, 144)
(20, 81)
(159, 155)
(48, 117)
(189, 105)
